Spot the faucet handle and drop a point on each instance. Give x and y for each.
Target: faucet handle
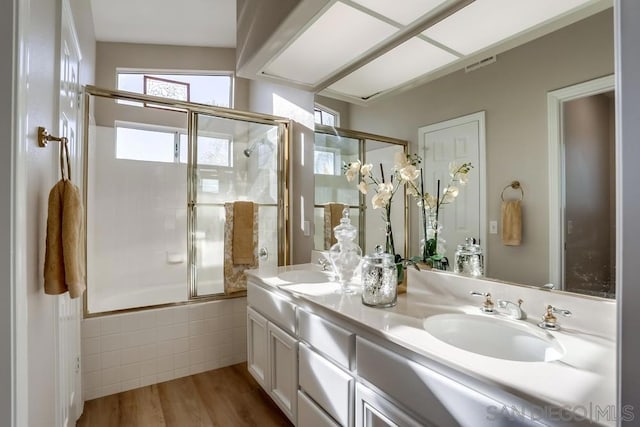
(549, 320)
(487, 305)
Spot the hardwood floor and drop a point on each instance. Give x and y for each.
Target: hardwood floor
(224, 397)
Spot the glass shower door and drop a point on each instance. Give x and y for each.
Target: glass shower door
(232, 160)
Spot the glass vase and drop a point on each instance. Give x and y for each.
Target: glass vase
(345, 255)
(379, 280)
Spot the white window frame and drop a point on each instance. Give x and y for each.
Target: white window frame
(174, 72)
(322, 108)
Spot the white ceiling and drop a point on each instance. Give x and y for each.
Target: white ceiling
(184, 22)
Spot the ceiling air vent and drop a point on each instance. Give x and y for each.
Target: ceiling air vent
(482, 63)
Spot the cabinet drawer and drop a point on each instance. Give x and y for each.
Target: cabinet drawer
(328, 385)
(434, 397)
(272, 306)
(311, 415)
(327, 338)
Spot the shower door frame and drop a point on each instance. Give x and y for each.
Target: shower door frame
(193, 110)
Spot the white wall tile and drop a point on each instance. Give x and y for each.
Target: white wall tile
(123, 352)
(148, 352)
(130, 371)
(92, 380)
(164, 364)
(181, 372)
(110, 324)
(164, 376)
(110, 376)
(197, 328)
(110, 359)
(148, 380)
(181, 360)
(130, 385)
(148, 368)
(91, 328)
(180, 345)
(110, 342)
(90, 362)
(111, 389)
(165, 348)
(91, 345)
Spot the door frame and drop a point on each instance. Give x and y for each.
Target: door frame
(481, 167)
(555, 99)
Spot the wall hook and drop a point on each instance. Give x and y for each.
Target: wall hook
(44, 137)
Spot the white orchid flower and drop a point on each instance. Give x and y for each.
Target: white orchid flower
(453, 168)
(379, 201)
(463, 178)
(362, 187)
(450, 194)
(400, 160)
(365, 170)
(412, 191)
(352, 171)
(409, 173)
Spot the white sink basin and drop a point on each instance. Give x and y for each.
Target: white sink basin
(495, 337)
(304, 276)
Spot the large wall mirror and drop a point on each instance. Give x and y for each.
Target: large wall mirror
(513, 94)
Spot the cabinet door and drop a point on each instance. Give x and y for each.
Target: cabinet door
(373, 410)
(257, 351)
(283, 370)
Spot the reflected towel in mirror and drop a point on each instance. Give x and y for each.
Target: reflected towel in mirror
(332, 216)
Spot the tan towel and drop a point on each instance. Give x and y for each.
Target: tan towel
(332, 216)
(511, 223)
(72, 239)
(54, 283)
(234, 278)
(64, 261)
(243, 249)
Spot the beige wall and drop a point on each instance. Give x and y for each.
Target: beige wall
(110, 56)
(513, 93)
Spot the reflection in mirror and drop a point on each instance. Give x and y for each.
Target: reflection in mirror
(513, 93)
(582, 193)
(334, 148)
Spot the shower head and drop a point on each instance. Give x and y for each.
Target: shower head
(247, 152)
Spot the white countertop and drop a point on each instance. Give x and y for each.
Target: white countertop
(583, 381)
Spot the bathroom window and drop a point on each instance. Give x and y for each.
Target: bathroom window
(326, 162)
(211, 89)
(161, 144)
(326, 116)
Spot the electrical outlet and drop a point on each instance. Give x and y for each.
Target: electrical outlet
(493, 227)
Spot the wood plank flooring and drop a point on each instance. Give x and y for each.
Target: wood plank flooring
(224, 397)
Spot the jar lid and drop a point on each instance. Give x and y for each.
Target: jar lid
(345, 231)
(470, 246)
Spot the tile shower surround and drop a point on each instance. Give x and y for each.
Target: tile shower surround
(125, 351)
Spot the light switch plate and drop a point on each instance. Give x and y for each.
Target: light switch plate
(493, 227)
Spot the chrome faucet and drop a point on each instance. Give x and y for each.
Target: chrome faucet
(549, 321)
(487, 306)
(515, 311)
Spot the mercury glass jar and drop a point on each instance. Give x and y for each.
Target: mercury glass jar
(469, 259)
(345, 255)
(379, 280)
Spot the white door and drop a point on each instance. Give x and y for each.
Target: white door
(69, 313)
(460, 140)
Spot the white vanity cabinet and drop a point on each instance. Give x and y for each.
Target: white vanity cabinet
(327, 357)
(272, 349)
(372, 410)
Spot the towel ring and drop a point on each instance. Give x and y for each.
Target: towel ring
(516, 186)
